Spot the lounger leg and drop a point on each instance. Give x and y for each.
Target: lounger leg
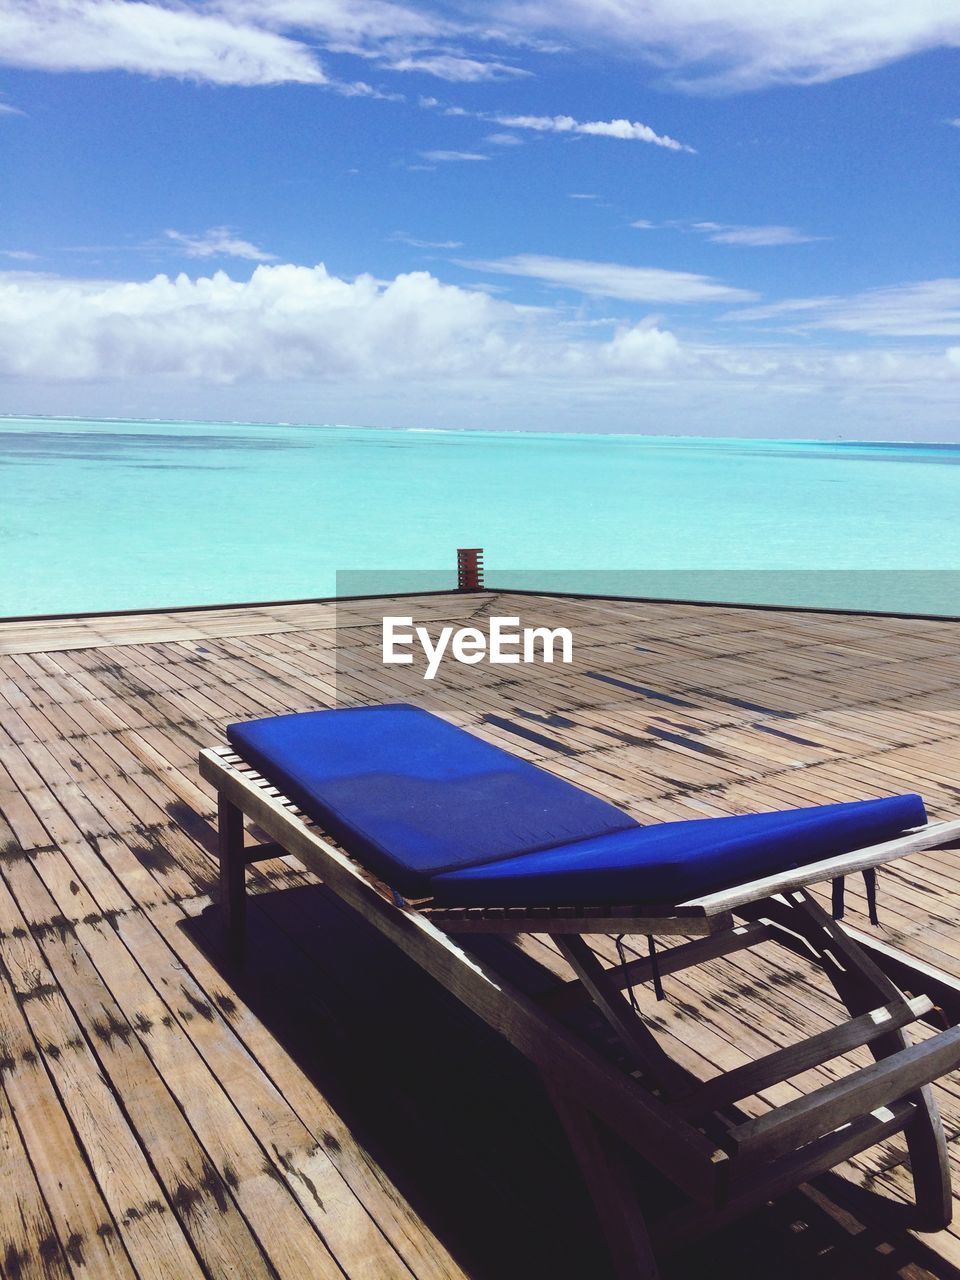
(614, 1199)
(612, 1003)
(861, 985)
(233, 871)
(929, 1164)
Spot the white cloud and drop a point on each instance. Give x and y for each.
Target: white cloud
(291, 323)
(732, 233)
(442, 156)
(360, 89)
(614, 280)
(358, 26)
(726, 233)
(403, 238)
(394, 36)
(641, 347)
(626, 130)
(7, 110)
(456, 68)
(18, 255)
(926, 309)
(583, 195)
(504, 140)
(730, 45)
(219, 242)
(131, 35)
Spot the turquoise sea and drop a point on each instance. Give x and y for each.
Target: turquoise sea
(123, 515)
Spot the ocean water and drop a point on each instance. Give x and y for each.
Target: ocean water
(123, 515)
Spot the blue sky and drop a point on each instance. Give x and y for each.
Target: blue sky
(669, 216)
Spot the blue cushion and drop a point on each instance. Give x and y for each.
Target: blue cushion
(411, 795)
(675, 861)
(435, 811)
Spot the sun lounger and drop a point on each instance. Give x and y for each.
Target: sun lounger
(440, 834)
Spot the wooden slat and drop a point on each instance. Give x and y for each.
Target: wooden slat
(936, 835)
(854, 1096)
(581, 920)
(668, 960)
(31, 1247)
(812, 1052)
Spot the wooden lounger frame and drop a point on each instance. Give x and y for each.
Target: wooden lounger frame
(692, 1131)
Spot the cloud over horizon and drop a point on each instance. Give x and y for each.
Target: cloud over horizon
(287, 322)
(291, 324)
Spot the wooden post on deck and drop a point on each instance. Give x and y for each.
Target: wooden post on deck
(469, 568)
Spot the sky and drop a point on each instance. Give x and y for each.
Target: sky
(698, 217)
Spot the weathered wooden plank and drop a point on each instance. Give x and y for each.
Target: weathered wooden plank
(99, 1185)
(784, 1063)
(29, 1247)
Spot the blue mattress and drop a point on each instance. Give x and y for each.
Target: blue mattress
(437, 812)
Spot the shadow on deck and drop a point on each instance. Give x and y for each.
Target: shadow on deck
(460, 1123)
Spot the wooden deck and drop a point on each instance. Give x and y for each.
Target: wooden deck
(329, 1112)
